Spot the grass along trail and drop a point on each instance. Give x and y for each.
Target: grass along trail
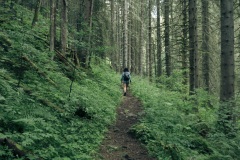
(118, 143)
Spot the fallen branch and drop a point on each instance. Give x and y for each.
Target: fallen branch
(16, 149)
(65, 60)
(50, 104)
(38, 70)
(29, 92)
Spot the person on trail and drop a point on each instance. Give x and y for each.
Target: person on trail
(125, 79)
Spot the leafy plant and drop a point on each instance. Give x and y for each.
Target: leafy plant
(178, 126)
(36, 110)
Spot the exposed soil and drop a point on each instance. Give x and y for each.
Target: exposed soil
(118, 143)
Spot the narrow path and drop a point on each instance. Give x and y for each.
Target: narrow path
(118, 144)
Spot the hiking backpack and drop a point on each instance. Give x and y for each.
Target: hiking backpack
(126, 76)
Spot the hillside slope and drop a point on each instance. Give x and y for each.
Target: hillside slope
(49, 109)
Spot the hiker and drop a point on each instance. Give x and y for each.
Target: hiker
(125, 79)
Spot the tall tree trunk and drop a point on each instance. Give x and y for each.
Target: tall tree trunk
(238, 56)
(55, 22)
(205, 43)
(118, 38)
(227, 67)
(112, 37)
(184, 43)
(140, 70)
(135, 48)
(159, 42)
(147, 57)
(52, 25)
(86, 26)
(37, 8)
(89, 53)
(125, 34)
(64, 27)
(167, 41)
(193, 45)
(150, 38)
(130, 35)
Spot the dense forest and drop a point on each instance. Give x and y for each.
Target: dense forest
(60, 68)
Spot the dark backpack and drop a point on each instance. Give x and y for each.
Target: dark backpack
(126, 76)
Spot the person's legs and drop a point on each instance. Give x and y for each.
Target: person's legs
(124, 88)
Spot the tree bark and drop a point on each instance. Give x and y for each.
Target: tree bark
(167, 41)
(130, 35)
(150, 39)
(205, 43)
(86, 26)
(36, 13)
(227, 51)
(132, 40)
(125, 34)
(227, 93)
(141, 42)
(159, 42)
(118, 38)
(193, 45)
(112, 37)
(64, 28)
(52, 25)
(89, 53)
(184, 43)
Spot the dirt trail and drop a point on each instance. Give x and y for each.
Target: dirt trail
(118, 143)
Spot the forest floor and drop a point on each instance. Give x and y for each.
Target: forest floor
(119, 144)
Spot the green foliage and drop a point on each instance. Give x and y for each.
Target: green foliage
(179, 126)
(39, 114)
(174, 82)
(43, 128)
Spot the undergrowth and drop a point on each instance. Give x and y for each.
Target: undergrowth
(49, 110)
(178, 126)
